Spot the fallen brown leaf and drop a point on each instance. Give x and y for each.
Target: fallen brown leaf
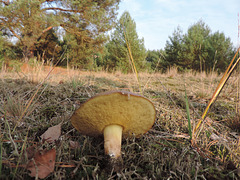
(52, 133)
(30, 151)
(42, 164)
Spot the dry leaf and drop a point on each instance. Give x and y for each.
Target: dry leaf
(52, 133)
(30, 151)
(42, 164)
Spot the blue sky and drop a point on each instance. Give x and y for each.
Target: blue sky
(157, 19)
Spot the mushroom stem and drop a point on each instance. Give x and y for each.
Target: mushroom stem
(113, 140)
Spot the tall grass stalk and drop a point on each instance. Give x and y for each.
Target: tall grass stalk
(34, 95)
(219, 88)
(188, 115)
(31, 100)
(132, 62)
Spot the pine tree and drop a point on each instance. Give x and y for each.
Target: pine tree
(221, 51)
(156, 58)
(195, 46)
(174, 47)
(85, 20)
(199, 49)
(48, 47)
(124, 35)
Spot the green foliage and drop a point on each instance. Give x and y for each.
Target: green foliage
(24, 20)
(156, 59)
(76, 32)
(77, 53)
(86, 21)
(199, 49)
(7, 51)
(222, 51)
(195, 46)
(118, 56)
(1, 46)
(48, 46)
(174, 47)
(85, 32)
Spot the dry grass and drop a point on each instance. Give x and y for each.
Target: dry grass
(164, 152)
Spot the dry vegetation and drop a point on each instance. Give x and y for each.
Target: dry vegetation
(30, 103)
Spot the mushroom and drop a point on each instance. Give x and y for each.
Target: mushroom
(114, 114)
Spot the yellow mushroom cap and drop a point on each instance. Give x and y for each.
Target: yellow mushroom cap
(135, 113)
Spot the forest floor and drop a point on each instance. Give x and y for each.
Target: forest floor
(33, 100)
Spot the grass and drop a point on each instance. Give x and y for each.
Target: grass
(188, 116)
(165, 152)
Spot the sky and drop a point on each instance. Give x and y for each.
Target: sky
(156, 20)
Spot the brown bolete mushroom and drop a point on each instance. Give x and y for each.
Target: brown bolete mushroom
(113, 114)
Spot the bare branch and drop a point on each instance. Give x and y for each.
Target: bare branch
(61, 9)
(5, 2)
(15, 34)
(10, 28)
(47, 29)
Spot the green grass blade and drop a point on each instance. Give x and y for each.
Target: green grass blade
(21, 153)
(188, 115)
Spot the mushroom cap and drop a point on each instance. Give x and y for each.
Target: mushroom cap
(133, 112)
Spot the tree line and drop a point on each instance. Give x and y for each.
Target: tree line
(87, 35)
